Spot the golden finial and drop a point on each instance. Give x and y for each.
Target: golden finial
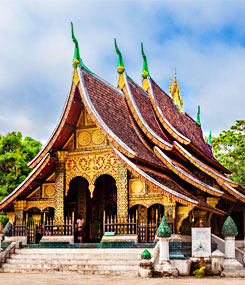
(170, 88)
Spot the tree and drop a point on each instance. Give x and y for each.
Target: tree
(15, 153)
(229, 149)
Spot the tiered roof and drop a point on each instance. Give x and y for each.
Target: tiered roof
(155, 139)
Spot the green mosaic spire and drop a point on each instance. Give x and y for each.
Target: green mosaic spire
(210, 139)
(229, 228)
(77, 61)
(145, 70)
(164, 229)
(146, 254)
(120, 64)
(198, 116)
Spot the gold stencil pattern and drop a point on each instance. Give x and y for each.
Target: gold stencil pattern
(89, 138)
(136, 187)
(48, 190)
(90, 166)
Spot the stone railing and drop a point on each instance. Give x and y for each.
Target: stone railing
(240, 256)
(7, 253)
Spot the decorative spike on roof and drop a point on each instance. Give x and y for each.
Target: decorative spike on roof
(120, 65)
(77, 61)
(210, 139)
(145, 71)
(176, 95)
(198, 116)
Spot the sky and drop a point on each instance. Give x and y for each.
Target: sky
(204, 40)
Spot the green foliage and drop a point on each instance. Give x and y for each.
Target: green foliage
(229, 228)
(164, 229)
(146, 254)
(3, 219)
(229, 149)
(15, 153)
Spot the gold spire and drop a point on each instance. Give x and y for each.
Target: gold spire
(174, 91)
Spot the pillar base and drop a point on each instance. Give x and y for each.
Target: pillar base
(231, 264)
(166, 269)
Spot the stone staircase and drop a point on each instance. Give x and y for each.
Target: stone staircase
(123, 261)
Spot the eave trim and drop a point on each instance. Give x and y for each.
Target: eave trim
(204, 167)
(172, 131)
(186, 176)
(156, 139)
(169, 192)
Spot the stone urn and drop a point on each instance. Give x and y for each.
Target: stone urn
(164, 267)
(229, 231)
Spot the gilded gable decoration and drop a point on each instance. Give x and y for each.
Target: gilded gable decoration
(48, 190)
(89, 138)
(175, 93)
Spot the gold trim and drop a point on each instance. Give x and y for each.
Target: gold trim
(75, 77)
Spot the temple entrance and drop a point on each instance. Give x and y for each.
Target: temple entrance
(79, 202)
(104, 200)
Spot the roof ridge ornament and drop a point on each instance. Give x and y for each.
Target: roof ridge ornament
(145, 70)
(210, 139)
(77, 61)
(120, 65)
(198, 116)
(175, 93)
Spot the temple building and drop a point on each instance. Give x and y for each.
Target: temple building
(126, 155)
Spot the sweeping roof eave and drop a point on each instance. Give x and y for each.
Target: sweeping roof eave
(156, 186)
(137, 100)
(39, 172)
(188, 132)
(63, 128)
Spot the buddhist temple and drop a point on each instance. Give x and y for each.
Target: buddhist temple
(126, 155)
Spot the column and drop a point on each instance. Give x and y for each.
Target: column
(19, 210)
(122, 192)
(59, 188)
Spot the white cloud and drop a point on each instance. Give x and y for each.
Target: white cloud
(36, 51)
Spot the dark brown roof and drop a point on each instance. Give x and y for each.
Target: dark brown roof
(183, 123)
(144, 105)
(112, 108)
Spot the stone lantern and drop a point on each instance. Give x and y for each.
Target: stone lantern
(229, 231)
(164, 266)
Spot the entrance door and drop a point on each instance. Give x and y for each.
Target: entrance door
(104, 199)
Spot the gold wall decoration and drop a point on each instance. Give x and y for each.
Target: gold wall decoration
(20, 205)
(90, 138)
(212, 201)
(122, 192)
(59, 190)
(149, 200)
(48, 190)
(51, 177)
(11, 216)
(169, 212)
(70, 143)
(41, 204)
(136, 186)
(75, 77)
(35, 194)
(90, 165)
(182, 213)
(88, 120)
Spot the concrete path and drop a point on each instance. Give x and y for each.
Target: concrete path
(61, 279)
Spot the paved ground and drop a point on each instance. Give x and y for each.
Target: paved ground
(61, 279)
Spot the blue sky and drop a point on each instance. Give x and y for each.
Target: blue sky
(204, 40)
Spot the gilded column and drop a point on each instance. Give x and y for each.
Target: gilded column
(59, 188)
(122, 192)
(19, 207)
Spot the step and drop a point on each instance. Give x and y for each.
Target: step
(71, 256)
(104, 270)
(75, 261)
(123, 251)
